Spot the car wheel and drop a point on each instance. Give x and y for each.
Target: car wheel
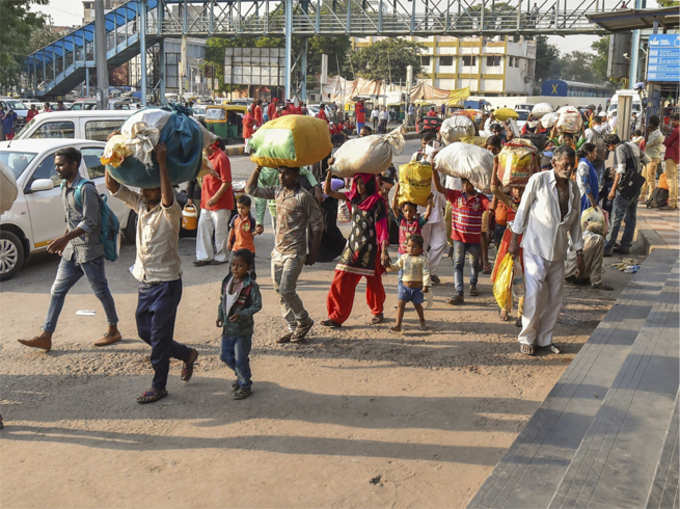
(130, 230)
(11, 254)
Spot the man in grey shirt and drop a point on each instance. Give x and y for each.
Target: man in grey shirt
(80, 249)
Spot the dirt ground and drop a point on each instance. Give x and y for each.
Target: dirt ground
(358, 417)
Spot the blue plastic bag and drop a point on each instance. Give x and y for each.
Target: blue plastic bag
(184, 142)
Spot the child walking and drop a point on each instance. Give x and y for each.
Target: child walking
(410, 222)
(240, 299)
(467, 207)
(242, 230)
(414, 280)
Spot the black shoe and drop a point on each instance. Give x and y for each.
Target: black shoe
(435, 280)
(242, 393)
(234, 386)
(457, 300)
(621, 250)
(202, 263)
(301, 330)
(473, 290)
(607, 254)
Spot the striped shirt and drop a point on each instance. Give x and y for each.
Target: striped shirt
(466, 215)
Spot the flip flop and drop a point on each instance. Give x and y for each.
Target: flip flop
(151, 396)
(527, 349)
(188, 368)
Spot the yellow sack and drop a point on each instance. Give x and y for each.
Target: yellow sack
(503, 114)
(291, 140)
(415, 182)
(502, 286)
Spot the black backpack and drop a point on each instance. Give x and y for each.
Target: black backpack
(631, 181)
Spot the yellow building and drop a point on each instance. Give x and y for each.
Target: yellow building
(489, 66)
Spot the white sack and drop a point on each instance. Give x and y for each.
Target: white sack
(368, 154)
(456, 127)
(467, 161)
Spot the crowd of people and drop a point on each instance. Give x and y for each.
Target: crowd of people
(541, 224)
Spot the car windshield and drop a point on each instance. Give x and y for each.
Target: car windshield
(16, 105)
(523, 114)
(16, 161)
(215, 114)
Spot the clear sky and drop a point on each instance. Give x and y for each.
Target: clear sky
(70, 12)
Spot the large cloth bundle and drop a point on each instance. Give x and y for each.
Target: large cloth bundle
(503, 114)
(569, 120)
(517, 161)
(415, 182)
(8, 188)
(594, 220)
(466, 161)
(456, 127)
(291, 140)
(368, 154)
(549, 119)
(541, 109)
(129, 156)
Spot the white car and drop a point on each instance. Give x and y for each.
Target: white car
(37, 216)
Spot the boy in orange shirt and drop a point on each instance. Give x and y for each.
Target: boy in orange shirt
(242, 229)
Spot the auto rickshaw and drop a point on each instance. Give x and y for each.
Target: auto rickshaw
(226, 121)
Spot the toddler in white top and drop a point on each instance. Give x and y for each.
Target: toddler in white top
(414, 281)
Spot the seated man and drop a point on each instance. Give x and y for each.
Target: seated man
(593, 255)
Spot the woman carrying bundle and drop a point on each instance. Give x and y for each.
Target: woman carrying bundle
(365, 253)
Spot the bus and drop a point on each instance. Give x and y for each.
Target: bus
(563, 88)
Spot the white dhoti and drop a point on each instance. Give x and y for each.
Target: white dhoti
(543, 289)
(212, 223)
(434, 244)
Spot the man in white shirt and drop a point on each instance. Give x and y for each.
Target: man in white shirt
(374, 118)
(434, 231)
(383, 118)
(157, 269)
(655, 151)
(548, 216)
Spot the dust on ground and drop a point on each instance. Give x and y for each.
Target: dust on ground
(355, 417)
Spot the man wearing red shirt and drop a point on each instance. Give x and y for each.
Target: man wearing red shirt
(217, 202)
(271, 108)
(258, 113)
(249, 126)
(671, 161)
(31, 113)
(322, 113)
(360, 112)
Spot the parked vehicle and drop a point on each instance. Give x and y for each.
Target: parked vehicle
(37, 216)
(84, 104)
(89, 125)
(226, 121)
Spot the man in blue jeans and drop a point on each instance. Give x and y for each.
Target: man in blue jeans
(80, 249)
(157, 269)
(625, 201)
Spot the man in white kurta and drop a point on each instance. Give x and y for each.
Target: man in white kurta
(548, 213)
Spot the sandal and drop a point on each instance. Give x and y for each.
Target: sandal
(151, 396)
(378, 319)
(488, 269)
(330, 323)
(527, 349)
(188, 368)
(285, 338)
(504, 315)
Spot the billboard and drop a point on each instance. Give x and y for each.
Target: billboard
(663, 60)
(254, 66)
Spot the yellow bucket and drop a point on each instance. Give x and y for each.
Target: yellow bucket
(189, 217)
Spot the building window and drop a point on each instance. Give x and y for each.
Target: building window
(469, 60)
(445, 60)
(516, 61)
(425, 61)
(493, 61)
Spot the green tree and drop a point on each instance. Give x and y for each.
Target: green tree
(599, 62)
(18, 23)
(386, 59)
(578, 66)
(42, 37)
(547, 60)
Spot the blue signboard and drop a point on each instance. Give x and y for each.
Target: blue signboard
(663, 61)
